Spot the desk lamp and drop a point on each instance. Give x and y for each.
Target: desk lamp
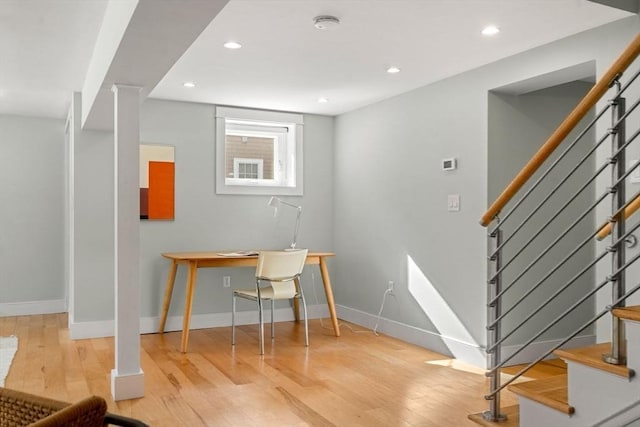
(275, 202)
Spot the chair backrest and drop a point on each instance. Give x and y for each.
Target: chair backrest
(280, 265)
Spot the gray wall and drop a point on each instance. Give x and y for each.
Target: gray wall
(391, 202)
(203, 220)
(517, 125)
(399, 209)
(32, 213)
(93, 295)
(374, 193)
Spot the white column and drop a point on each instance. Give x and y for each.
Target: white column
(127, 379)
(73, 128)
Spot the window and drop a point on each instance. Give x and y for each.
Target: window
(248, 168)
(258, 152)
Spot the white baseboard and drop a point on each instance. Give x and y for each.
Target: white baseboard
(471, 353)
(29, 308)
(149, 325)
(94, 329)
(467, 352)
(124, 387)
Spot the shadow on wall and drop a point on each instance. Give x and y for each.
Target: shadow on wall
(453, 333)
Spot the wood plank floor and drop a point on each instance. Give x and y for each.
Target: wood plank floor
(358, 379)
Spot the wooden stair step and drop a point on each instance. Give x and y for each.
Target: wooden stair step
(592, 356)
(512, 413)
(551, 392)
(628, 313)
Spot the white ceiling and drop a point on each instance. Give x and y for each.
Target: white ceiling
(285, 63)
(45, 48)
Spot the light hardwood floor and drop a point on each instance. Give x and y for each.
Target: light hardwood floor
(358, 379)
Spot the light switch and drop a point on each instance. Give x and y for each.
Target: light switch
(453, 202)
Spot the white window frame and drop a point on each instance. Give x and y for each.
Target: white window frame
(287, 128)
(239, 160)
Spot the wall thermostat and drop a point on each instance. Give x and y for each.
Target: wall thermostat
(449, 164)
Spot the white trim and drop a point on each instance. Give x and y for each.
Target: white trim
(127, 386)
(471, 353)
(623, 417)
(149, 325)
(28, 308)
(259, 115)
(467, 352)
(92, 329)
(293, 177)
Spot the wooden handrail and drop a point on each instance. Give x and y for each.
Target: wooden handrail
(628, 211)
(569, 123)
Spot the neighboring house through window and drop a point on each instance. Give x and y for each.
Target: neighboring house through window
(258, 152)
(248, 168)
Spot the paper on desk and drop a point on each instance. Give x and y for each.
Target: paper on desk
(239, 253)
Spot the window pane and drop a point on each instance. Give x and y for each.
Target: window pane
(270, 139)
(248, 171)
(250, 147)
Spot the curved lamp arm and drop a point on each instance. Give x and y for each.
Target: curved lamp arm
(275, 202)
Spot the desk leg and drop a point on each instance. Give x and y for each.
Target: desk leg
(188, 304)
(167, 295)
(296, 302)
(329, 293)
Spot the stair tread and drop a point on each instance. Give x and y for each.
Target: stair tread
(551, 392)
(592, 356)
(543, 369)
(628, 313)
(512, 413)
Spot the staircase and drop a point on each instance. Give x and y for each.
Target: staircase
(542, 289)
(592, 393)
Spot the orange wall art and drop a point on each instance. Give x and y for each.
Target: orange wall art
(157, 182)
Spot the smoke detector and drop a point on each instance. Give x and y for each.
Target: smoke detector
(325, 22)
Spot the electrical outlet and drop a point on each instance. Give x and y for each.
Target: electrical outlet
(390, 288)
(226, 281)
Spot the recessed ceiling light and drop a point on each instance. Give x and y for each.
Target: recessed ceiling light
(232, 45)
(325, 22)
(189, 84)
(393, 70)
(323, 100)
(490, 30)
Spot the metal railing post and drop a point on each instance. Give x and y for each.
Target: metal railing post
(618, 352)
(493, 332)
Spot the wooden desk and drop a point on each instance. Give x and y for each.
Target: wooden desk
(197, 260)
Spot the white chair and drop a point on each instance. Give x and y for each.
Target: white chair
(281, 269)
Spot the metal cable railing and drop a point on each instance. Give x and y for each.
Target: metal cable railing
(560, 317)
(564, 341)
(558, 238)
(559, 291)
(589, 101)
(564, 180)
(555, 189)
(617, 214)
(566, 151)
(541, 250)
